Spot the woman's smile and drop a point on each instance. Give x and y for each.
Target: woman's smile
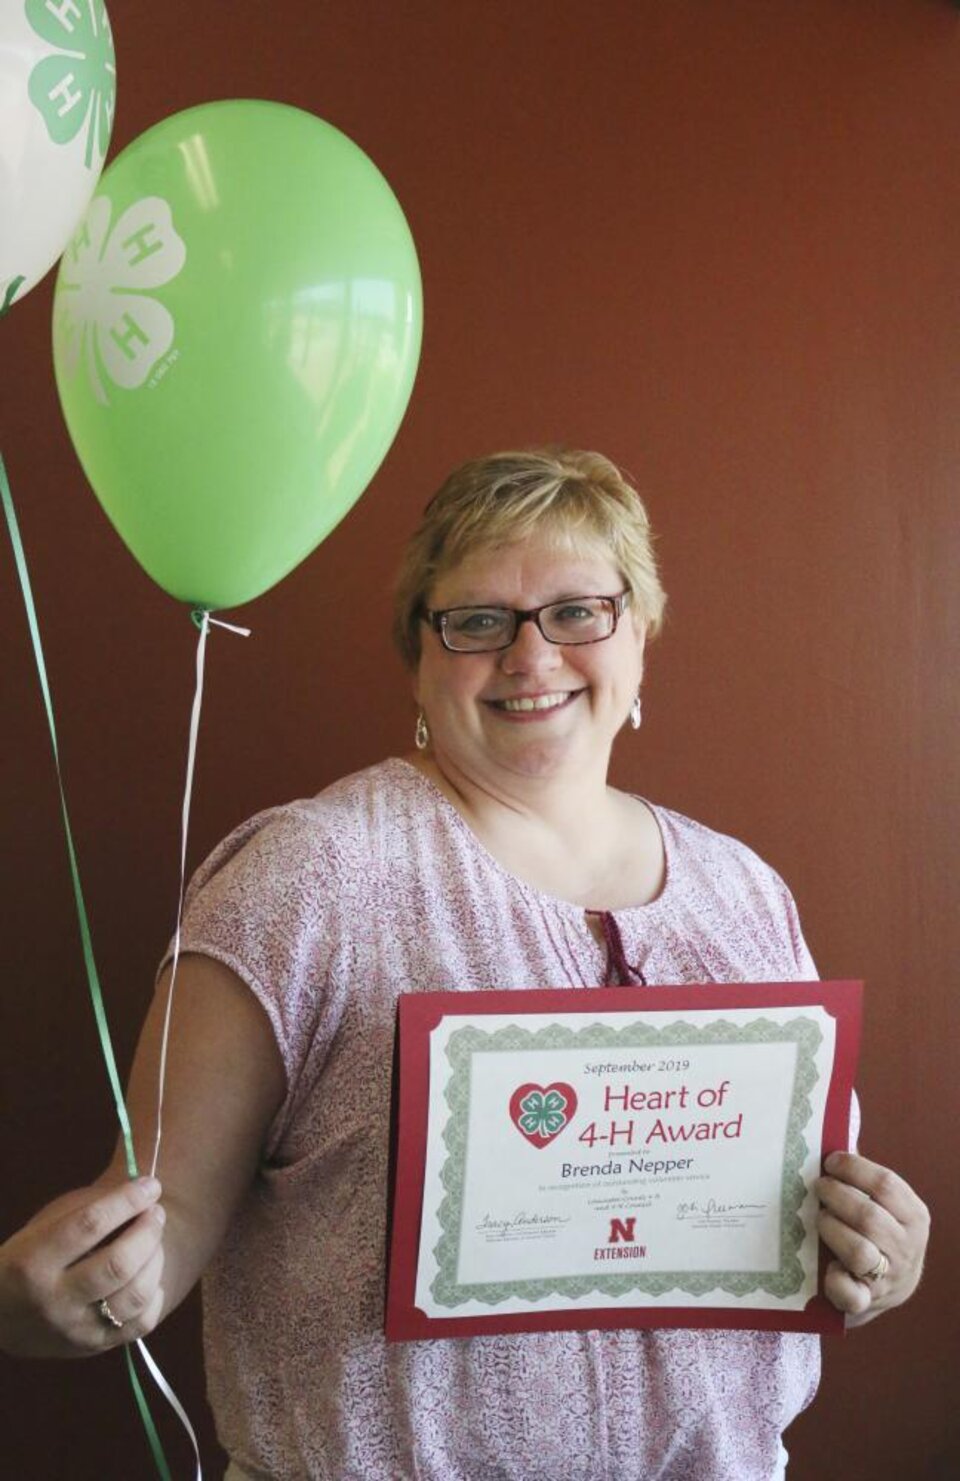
(534, 706)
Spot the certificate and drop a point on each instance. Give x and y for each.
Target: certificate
(616, 1157)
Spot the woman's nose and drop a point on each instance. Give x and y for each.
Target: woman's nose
(530, 651)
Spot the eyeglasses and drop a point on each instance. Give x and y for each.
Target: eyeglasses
(488, 629)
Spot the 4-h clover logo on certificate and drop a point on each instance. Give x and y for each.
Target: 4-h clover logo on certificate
(77, 85)
(540, 1112)
(104, 314)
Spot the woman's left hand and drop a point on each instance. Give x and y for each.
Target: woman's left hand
(877, 1228)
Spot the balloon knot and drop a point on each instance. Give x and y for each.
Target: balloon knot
(199, 613)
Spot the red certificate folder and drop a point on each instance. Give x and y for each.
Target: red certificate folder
(420, 1014)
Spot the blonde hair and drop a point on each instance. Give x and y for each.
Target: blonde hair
(500, 500)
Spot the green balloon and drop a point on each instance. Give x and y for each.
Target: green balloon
(236, 328)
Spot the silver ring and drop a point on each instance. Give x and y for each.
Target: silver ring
(106, 1315)
(879, 1270)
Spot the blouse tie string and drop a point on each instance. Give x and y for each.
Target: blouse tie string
(619, 971)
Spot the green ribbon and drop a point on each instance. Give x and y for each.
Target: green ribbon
(159, 1459)
(11, 293)
(87, 943)
(92, 977)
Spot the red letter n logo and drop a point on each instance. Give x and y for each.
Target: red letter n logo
(622, 1229)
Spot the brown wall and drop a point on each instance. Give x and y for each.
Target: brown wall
(719, 240)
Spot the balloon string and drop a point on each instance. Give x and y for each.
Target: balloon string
(92, 977)
(203, 620)
(159, 1459)
(96, 995)
(11, 292)
(171, 1399)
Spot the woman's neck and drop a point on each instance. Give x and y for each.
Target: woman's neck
(580, 840)
(559, 804)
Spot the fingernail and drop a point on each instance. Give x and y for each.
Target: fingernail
(159, 1213)
(150, 1186)
(833, 1161)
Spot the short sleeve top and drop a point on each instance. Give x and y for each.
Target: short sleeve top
(329, 909)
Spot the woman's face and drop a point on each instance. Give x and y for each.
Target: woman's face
(584, 692)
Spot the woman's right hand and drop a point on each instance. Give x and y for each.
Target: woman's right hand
(98, 1244)
(225, 1082)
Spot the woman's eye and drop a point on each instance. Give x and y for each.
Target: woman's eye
(476, 622)
(573, 613)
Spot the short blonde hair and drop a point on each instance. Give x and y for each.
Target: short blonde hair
(500, 499)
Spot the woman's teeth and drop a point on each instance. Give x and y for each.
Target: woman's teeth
(541, 702)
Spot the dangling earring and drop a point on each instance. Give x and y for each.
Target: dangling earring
(421, 736)
(636, 711)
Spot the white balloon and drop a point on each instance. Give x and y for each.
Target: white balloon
(57, 93)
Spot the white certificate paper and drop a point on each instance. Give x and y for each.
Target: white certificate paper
(587, 1163)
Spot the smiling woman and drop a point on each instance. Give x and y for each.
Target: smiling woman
(496, 856)
(522, 608)
(537, 703)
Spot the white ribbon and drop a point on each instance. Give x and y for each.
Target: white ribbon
(204, 622)
(172, 1400)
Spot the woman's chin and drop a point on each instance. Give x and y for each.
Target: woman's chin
(538, 756)
(536, 753)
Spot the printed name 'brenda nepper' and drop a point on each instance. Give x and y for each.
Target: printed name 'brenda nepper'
(617, 1169)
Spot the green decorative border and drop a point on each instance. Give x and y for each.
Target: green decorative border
(464, 1043)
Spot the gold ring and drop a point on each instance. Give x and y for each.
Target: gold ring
(879, 1270)
(106, 1315)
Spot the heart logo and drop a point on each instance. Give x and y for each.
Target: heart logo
(540, 1112)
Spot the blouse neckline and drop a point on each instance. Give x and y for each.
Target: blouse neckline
(554, 902)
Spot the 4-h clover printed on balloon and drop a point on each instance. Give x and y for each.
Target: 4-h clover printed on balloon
(58, 86)
(540, 1112)
(77, 85)
(236, 332)
(104, 317)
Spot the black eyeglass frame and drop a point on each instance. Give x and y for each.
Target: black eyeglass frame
(437, 619)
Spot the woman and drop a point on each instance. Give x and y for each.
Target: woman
(495, 856)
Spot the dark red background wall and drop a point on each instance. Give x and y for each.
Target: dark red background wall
(718, 240)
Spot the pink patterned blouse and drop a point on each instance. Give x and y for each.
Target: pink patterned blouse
(329, 909)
